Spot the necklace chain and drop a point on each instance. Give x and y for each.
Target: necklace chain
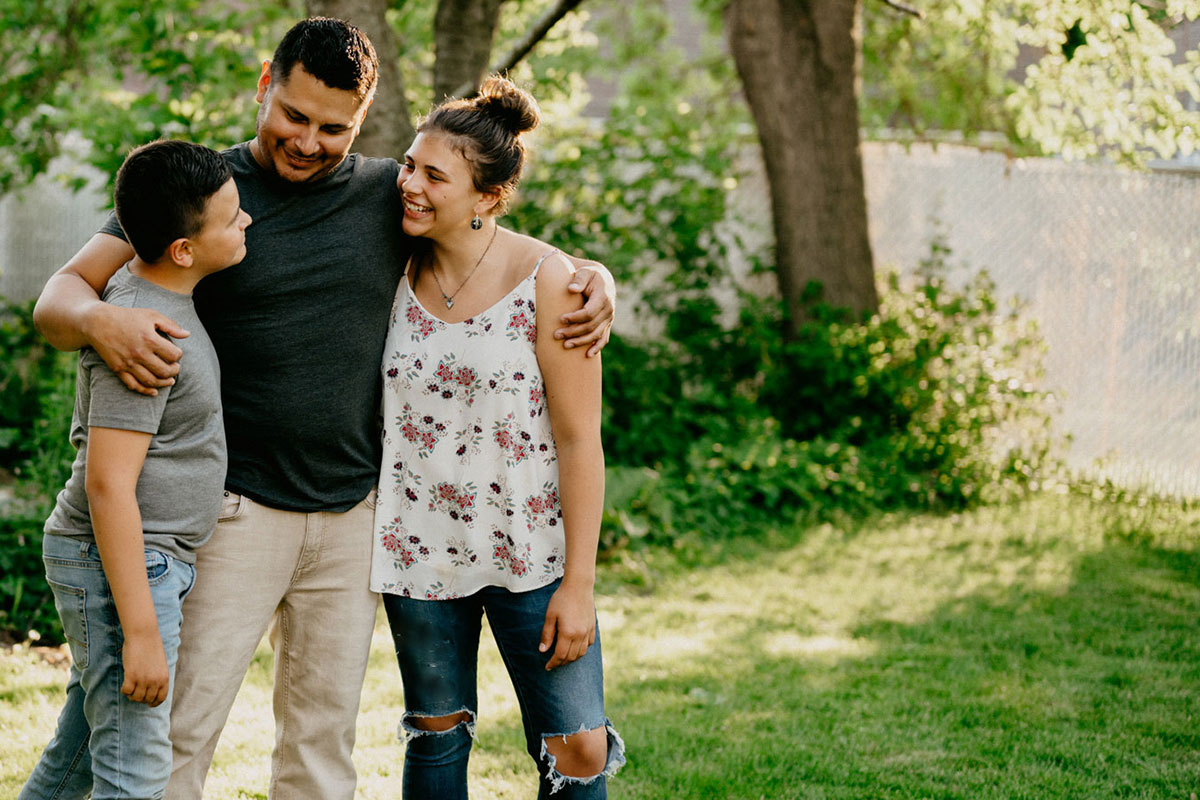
(448, 299)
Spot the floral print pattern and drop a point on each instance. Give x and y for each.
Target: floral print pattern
(469, 491)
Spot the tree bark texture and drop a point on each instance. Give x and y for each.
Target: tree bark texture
(798, 60)
(463, 33)
(388, 128)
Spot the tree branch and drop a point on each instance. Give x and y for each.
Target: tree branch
(905, 8)
(534, 34)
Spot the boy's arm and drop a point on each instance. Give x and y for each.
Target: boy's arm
(70, 314)
(114, 462)
(592, 323)
(573, 402)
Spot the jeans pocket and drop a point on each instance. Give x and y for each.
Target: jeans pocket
(158, 566)
(372, 499)
(233, 505)
(71, 603)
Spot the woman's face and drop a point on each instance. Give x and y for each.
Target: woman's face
(439, 194)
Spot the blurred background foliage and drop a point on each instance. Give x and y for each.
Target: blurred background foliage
(723, 415)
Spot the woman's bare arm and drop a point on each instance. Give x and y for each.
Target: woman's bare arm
(573, 403)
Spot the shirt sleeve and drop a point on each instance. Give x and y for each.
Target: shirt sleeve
(112, 227)
(113, 405)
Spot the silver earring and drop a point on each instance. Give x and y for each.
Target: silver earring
(476, 223)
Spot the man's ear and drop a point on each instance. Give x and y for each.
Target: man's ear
(181, 252)
(264, 81)
(362, 114)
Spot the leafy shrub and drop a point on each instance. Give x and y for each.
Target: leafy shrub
(931, 404)
(37, 390)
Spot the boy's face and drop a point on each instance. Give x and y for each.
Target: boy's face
(305, 128)
(221, 241)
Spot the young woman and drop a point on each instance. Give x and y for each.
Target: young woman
(493, 476)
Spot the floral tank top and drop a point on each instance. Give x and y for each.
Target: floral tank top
(468, 487)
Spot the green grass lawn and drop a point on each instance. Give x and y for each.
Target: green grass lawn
(1045, 650)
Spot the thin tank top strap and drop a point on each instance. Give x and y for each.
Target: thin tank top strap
(540, 260)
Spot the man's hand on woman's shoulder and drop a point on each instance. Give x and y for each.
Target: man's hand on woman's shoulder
(592, 324)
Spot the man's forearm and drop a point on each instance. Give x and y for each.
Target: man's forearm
(62, 310)
(72, 294)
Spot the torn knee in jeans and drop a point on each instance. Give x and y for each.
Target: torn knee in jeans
(415, 724)
(582, 757)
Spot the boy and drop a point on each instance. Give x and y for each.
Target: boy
(144, 491)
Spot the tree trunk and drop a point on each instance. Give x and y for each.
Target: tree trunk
(798, 60)
(463, 35)
(388, 129)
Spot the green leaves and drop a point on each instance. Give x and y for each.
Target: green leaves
(1056, 77)
(123, 72)
(37, 390)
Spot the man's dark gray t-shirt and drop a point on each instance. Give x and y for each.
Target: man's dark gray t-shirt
(179, 488)
(299, 327)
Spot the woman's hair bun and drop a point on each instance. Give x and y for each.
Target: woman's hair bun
(513, 107)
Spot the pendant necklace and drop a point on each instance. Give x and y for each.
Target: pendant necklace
(449, 298)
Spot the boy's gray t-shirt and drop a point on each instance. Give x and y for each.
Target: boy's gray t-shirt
(179, 489)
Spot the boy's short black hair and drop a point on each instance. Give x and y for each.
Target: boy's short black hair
(332, 51)
(162, 191)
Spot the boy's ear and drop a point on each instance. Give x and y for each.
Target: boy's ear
(181, 252)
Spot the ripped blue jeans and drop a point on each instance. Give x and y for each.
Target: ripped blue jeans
(437, 644)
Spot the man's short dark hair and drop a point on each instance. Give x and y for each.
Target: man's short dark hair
(332, 51)
(162, 191)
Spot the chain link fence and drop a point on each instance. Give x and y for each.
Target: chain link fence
(41, 226)
(1108, 263)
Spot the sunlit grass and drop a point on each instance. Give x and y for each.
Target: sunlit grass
(1045, 650)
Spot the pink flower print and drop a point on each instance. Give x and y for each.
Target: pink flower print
(514, 443)
(405, 549)
(424, 324)
(455, 501)
(437, 591)
(522, 324)
(542, 509)
(424, 431)
(391, 542)
(537, 398)
(506, 556)
(454, 380)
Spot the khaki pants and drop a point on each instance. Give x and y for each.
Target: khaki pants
(306, 576)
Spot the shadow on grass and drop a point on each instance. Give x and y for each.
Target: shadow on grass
(1088, 689)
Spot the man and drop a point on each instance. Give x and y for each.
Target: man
(299, 329)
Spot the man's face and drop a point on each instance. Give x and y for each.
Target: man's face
(305, 128)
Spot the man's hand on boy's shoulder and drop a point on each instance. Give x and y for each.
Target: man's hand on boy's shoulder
(592, 324)
(133, 343)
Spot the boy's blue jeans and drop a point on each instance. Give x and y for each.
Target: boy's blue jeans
(106, 745)
(437, 645)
